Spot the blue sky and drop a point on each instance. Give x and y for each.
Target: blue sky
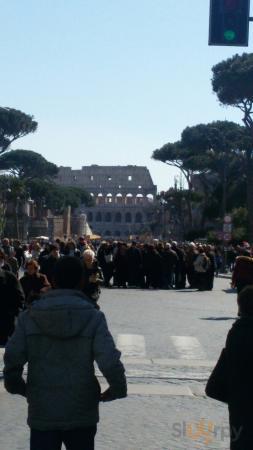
(109, 81)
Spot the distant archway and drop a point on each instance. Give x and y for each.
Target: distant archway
(98, 217)
(119, 199)
(108, 198)
(139, 199)
(138, 217)
(118, 217)
(128, 217)
(90, 217)
(100, 199)
(150, 198)
(108, 217)
(129, 199)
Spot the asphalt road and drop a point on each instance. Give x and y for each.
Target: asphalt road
(170, 341)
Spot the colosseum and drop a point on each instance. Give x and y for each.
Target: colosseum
(123, 198)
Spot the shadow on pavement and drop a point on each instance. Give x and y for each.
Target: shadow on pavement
(218, 318)
(186, 291)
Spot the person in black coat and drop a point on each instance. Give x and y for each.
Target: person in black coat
(121, 266)
(170, 261)
(105, 256)
(152, 262)
(211, 269)
(3, 261)
(135, 265)
(33, 282)
(180, 269)
(231, 379)
(11, 301)
(47, 263)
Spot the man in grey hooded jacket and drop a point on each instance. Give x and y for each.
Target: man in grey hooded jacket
(60, 337)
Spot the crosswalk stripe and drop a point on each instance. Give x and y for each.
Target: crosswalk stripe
(188, 347)
(131, 345)
(190, 353)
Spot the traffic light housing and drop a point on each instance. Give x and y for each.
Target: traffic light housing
(229, 22)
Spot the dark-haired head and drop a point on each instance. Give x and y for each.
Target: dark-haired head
(68, 273)
(245, 302)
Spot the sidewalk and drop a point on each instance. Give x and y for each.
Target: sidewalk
(227, 275)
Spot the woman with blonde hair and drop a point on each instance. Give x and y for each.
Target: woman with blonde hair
(92, 276)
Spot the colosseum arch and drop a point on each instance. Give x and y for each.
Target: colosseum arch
(128, 217)
(139, 200)
(150, 198)
(118, 217)
(108, 198)
(108, 217)
(98, 217)
(119, 199)
(90, 217)
(100, 199)
(138, 217)
(129, 199)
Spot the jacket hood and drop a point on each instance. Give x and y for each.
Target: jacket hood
(62, 313)
(245, 258)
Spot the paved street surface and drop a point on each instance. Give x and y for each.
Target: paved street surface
(170, 341)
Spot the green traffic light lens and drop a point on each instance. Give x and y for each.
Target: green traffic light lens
(230, 35)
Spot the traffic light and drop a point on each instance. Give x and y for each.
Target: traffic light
(229, 22)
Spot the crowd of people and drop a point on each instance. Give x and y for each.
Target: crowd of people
(58, 284)
(158, 265)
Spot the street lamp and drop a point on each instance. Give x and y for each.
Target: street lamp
(163, 205)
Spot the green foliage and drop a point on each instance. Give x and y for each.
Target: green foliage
(233, 83)
(27, 165)
(214, 154)
(205, 148)
(176, 155)
(28, 174)
(2, 218)
(14, 124)
(56, 197)
(177, 196)
(218, 136)
(240, 217)
(197, 233)
(233, 80)
(212, 238)
(11, 188)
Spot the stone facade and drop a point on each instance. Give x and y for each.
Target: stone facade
(123, 197)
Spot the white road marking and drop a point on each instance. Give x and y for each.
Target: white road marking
(188, 347)
(131, 345)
